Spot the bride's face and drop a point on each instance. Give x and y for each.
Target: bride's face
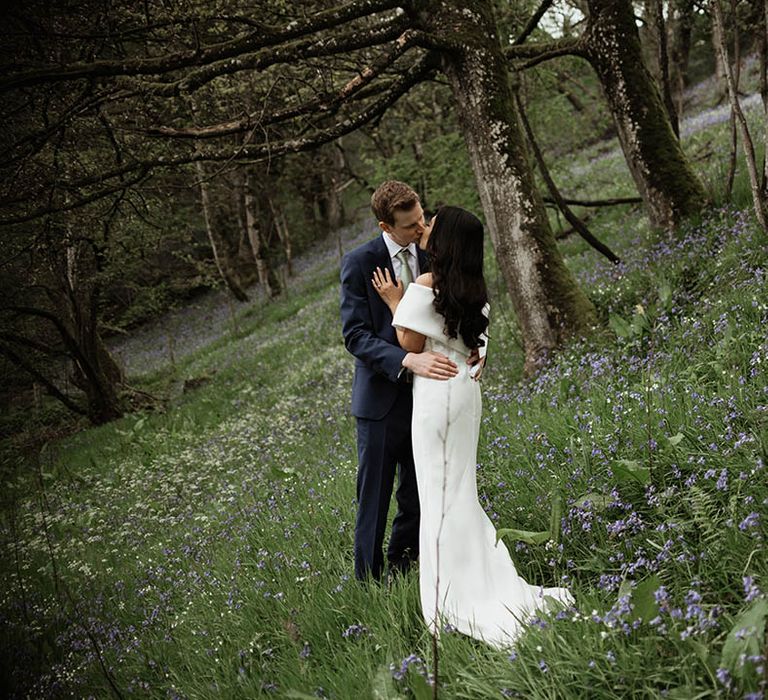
(427, 233)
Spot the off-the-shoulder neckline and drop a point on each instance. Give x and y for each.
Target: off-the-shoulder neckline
(418, 284)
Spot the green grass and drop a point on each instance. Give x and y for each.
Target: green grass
(205, 552)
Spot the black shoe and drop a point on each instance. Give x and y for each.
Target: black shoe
(401, 566)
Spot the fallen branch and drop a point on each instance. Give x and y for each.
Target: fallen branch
(574, 220)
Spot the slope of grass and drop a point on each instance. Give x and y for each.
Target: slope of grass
(206, 551)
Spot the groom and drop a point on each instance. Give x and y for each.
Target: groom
(381, 389)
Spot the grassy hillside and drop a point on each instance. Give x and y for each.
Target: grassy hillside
(205, 552)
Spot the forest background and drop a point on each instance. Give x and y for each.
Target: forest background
(179, 183)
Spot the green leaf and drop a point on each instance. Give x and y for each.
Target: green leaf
(704, 652)
(675, 439)
(644, 600)
(419, 687)
(665, 292)
(626, 469)
(639, 323)
(523, 535)
(596, 563)
(625, 588)
(599, 501)
(383, 687)
(745, 637)
(620, 326)
(686, 692)
(554, 516)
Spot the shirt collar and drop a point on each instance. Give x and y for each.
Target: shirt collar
(394, 248)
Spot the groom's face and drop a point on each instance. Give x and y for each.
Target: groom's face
(409, 225)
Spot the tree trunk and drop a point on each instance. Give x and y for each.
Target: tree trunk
(284, 234)
(219, 244)
(246, 264)
(763, 49)
(332, 205)
(569, 95)
(732, 120)
(680, 51)
(94, 370)
(722, 92)
(669, 186)
(559, 200)
(666, 88)
(258, 237)
(548, 303)
(749, 149)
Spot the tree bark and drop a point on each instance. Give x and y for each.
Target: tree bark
(572, 219)
(734, 141)
(649, 39)
(95, 371)
(284, 234)
(746, 138)
(549, 305)
(763, 50)
(680, 51)
(661, 31)
(258, 237)
(246, 265)
(669, 186)
(219, 244)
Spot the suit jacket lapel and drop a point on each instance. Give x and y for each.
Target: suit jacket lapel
(423, 260)
(381, 256)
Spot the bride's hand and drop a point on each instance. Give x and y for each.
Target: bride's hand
(390, 292)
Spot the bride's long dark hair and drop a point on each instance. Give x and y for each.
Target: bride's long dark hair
(455, 248)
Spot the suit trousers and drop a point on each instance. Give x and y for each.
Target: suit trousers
(384, 447)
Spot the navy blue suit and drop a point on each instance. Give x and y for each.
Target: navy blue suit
(382, 405)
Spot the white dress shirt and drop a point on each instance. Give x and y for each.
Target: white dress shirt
(394, 248)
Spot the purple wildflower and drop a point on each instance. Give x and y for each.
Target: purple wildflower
(751, 591)
(752, 520)
(354, 631)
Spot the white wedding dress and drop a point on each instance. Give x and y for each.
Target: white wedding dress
(465, 578)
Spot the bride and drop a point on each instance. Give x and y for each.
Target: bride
(465, 578)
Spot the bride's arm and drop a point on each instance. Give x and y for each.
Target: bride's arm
(392, 293)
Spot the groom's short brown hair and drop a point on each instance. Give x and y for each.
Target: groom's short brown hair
(392, 195)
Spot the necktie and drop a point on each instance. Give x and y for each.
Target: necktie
(405, 269)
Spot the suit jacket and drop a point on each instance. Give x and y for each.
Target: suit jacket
(368, 332)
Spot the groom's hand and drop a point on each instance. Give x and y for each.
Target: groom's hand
(430, 364)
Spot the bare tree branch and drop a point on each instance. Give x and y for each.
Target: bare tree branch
(29, 343)
(567, 46)
(42, 379)
(245, 153)
(260, 38)
(573, 220)
(316, 47)
(50, 208)
(328, 104)
(610, 201)
(533, 22)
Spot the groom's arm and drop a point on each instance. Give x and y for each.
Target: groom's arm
(357, 327)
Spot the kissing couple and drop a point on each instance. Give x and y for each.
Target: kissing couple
(414, 311)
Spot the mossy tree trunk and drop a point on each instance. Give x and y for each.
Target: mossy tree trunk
(669, 186)
(680, 50)
(549, 304)
(259, 222)
(219, 244)
(763, 53)
(94, 370)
